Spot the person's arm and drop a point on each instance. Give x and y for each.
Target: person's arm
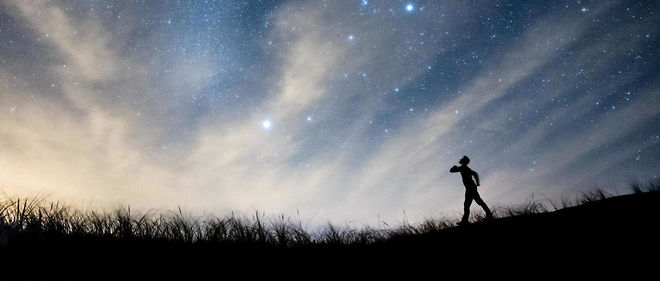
(476, 177)
(454, 169)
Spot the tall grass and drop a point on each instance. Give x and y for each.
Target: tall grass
(638, 187)
(34, 217)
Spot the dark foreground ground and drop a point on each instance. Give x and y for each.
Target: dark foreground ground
(615, 234)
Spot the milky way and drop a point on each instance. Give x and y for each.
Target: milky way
(341, 111)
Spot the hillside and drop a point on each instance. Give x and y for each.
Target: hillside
(616, 231)
(621, 224)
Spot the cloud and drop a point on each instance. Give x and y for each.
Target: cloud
(86, 49)
(405, 172)
(410, 159)
(238, 163)
(76, 148)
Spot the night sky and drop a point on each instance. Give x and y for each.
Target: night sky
(326, 111)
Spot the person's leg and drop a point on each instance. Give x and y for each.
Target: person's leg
(466, 206)
(480, 202)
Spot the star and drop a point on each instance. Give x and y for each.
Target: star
(410, 7)
(266, 124)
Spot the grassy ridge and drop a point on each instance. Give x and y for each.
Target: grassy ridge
(56, 238)
(36, 218)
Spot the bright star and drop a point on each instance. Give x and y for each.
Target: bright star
(410, 7)
(266, 124)
(350, 37)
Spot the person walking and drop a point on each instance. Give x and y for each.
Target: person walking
(471, 192)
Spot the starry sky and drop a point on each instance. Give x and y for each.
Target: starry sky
(326, 111)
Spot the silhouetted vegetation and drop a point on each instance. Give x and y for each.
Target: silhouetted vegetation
(35, 229)
(35, 217)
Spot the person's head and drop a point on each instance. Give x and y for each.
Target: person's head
(464, 161)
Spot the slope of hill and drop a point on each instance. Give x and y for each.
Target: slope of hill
(621, 224)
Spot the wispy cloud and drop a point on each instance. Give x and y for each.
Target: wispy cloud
(76, 148)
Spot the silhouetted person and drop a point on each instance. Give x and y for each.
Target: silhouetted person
(470, 189)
